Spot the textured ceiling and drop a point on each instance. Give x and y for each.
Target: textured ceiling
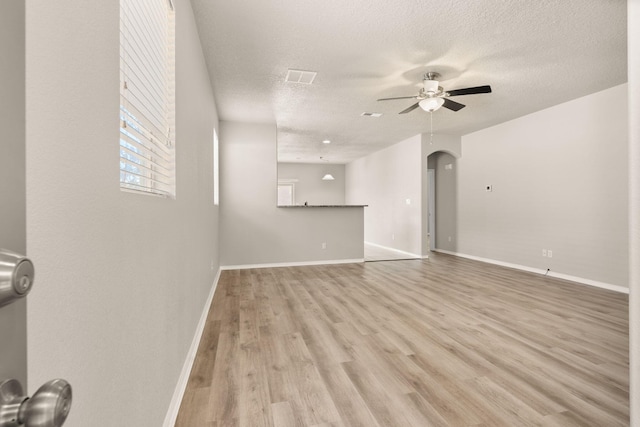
(534, 54)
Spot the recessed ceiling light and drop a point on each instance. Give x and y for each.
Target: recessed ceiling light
(371, 114)
(300, 76)
(326, 141)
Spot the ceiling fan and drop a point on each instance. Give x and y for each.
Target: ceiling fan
(432, 96)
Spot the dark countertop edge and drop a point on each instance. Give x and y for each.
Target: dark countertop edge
(322, 206)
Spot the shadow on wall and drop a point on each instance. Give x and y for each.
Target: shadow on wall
(442, 221)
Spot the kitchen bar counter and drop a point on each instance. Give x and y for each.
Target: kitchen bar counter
(322, 206)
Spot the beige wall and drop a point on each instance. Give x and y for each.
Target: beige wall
(122, 278)
(559, 180)
(254, 231)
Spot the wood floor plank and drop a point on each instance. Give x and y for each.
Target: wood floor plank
(504, 404)
(315, 402)
(382, 405)
(349, 403)
(225, 389)
(420, 412)
(194, 410)
(283, 415)
(440, 342)
(202, 371)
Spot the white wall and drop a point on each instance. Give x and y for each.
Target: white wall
(385, 180)
(451, 144)
(253, 229)
(559, 181)
(310, 187)
(633, 56)
(122, 278)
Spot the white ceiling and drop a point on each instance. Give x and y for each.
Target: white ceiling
(534, 54)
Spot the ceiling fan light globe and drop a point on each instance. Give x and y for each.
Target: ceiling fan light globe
(431, 104)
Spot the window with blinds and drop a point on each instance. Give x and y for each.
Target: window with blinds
(147, 96)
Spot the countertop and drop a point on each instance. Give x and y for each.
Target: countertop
(322, 206)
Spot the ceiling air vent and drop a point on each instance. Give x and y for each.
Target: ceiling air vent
(299, 76)
(371, 114)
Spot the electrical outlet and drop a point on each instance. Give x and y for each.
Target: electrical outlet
(393, 237)
(449, 238)
(324, 245)
(544, 252)
(550, 253)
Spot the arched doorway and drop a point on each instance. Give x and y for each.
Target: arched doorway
(441, 212)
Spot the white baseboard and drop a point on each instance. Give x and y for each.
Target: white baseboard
(576, 279)
(409, 254)
(181, 386)
(291, 264)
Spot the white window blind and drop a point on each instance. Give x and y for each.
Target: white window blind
(147, 96)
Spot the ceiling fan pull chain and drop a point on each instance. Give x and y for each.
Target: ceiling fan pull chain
(431, 117)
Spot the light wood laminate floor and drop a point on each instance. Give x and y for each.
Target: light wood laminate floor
(439, 342)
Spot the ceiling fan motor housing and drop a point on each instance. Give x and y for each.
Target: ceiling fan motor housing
(431, 87)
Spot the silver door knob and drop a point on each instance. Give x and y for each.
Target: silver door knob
(16, 276)
(49, 406)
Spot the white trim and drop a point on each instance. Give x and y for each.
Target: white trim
(291, 264)
(581, 280)
(181, 386)
(395, 250)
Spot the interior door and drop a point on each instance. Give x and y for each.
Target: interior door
(13, 317)
(51, 403)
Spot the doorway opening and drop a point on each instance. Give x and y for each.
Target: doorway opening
(431, 209)
(441, 210)
(373, 253)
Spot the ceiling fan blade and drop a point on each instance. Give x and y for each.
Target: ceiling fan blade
(452, 105)
(410, 109)
(400, 97)
(470, 90)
